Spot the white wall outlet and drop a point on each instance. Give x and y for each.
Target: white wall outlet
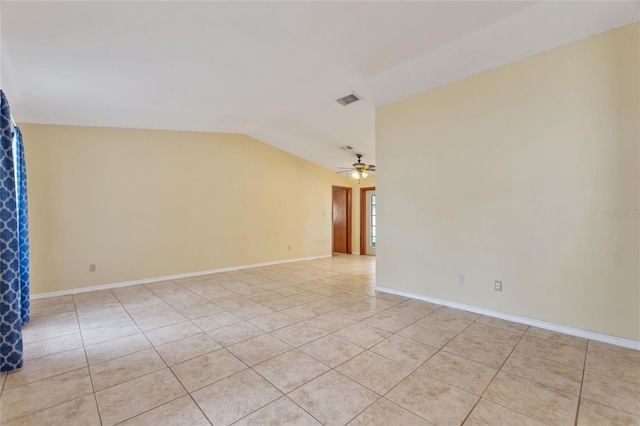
(92, 267)
(498, 286)
(289, 247)
(460, 279)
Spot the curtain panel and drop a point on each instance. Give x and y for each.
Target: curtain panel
(14, 242)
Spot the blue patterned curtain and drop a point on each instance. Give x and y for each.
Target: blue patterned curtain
(14, 242)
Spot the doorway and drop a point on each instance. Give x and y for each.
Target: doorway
(341, 215)
(368, 221)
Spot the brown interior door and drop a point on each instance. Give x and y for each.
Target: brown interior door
(340, 226)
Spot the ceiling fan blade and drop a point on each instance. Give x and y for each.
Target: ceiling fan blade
(370, 167)
(346, 168)
(344, 171)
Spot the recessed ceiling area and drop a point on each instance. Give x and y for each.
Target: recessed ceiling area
(272, 70)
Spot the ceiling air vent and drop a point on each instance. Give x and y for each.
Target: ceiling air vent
(346, 148)
(349, 99)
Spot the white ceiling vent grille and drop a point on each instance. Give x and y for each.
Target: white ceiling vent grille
(349, 99)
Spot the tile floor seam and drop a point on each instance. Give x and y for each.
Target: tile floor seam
(442, 349)
(398, 384)
(471, 411)
(335, 370)
(302, 408)
(540, 383)
(196, 356)
(117, 357)
(132, 379)
(84, 348)
(364, 409)
(57, 405)
(584, 371)
(327, 372)
(50, 377)
(531, 327)
(498, 372)
(247, 367)
(199, 408)
(150, 409)
(4, 378)
(390, 359)
(95, 400)
(363, 350)
(135, 378)
(612, 355)
(546, 357)
(610, 406)
(607, 404)
(274, 385)
(606, 375)
(59, 335)
(53, 353)
(344, 301)
(516, 411)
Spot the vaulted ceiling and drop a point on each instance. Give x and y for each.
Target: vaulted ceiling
(272, 70)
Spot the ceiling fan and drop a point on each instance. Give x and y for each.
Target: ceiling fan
(358, 170)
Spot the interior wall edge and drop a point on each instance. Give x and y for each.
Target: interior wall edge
(169, 277)
(573, 331)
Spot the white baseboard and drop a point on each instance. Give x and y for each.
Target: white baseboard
(600, 337)
(169, 277)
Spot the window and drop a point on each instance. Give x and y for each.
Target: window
(372, 241)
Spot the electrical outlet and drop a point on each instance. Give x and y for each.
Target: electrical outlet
(460, 279)
(289, 247)
(92, 267)
(498, 285)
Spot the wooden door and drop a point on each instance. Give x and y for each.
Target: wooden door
(341, 225)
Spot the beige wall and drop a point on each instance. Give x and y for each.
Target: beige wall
(143, 204)
(507, 175)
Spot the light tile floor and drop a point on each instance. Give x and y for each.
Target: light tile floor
(304, 343)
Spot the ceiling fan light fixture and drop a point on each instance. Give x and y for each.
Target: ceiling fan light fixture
(358, 170)
(358, 174)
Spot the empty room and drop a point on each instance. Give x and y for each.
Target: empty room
(320, 213)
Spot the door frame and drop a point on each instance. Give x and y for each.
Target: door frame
(363, 219)
(349, 206)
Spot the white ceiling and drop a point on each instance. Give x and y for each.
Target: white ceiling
(271, 70)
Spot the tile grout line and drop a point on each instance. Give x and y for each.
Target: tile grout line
(4, 378)
(344, 301)
(500, 369)
(584, 370)
(66, 372)
(441, 349)
(84, 349)
(159, 356)
(612, 407)
(496, 374)
(199, 408)
(284, 395)
(546, 357)
(326, 372)
(413, 371)
(152, 372)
